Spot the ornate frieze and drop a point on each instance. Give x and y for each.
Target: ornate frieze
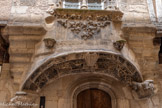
(144, 89)
(101, 63)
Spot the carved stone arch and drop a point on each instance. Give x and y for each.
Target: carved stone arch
(109, 64)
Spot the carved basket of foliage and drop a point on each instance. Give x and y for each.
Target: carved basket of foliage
(119, 44)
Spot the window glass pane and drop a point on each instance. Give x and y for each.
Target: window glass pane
(94, 4)
(72, 4)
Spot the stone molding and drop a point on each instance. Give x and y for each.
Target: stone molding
(109, 64)
(141, 28)
(82, 14)
(24, 30)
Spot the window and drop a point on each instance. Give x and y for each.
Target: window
(95, 4)
(71, 4)
(160, 53)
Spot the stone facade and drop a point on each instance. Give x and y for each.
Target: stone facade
(56, 52)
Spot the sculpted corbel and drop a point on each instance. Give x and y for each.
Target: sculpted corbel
(119, 44)
(63, 23)
(144, 89)
(49, 43)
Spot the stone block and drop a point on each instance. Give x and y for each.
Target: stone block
(25, 51)
(36, 18)
(12, 30)
(21, 19)
(20, 59)
(27, 2)
(30, 45)
(138, 43)
(19, 9)
(33, 30)
(18, 44)
(51, 104)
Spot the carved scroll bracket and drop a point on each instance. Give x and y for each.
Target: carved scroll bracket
(145, 89)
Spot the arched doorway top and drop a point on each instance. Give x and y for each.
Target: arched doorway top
(107, 63)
